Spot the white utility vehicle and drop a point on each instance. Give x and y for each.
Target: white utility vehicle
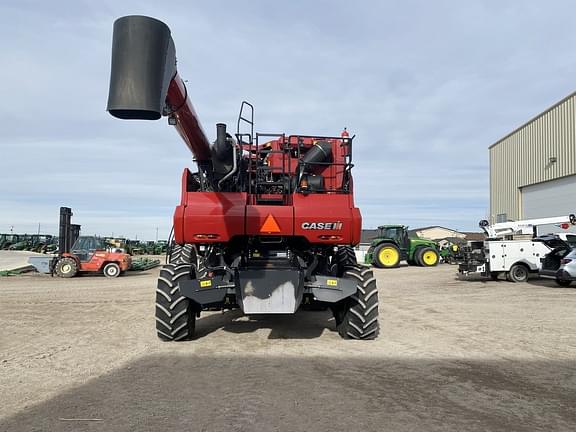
(499, 254)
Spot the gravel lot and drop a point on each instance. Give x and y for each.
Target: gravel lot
(82, 355)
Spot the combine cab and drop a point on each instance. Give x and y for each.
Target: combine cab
(266, 224)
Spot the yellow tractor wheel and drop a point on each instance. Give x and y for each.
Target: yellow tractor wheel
(428, 257)
(386, 255)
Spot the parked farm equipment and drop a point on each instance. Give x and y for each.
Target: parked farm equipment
(43, 243)
(266, 224)
(393, 245)
(85, 254)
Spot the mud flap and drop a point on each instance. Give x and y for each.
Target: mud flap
(270, 291)
(205, 291)
(331, 289)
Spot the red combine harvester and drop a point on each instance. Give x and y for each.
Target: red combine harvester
(266, 224)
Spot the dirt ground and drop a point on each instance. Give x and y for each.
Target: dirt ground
(82, 355)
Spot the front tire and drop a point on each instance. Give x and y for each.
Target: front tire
(563, 282)
(66, 268)
(427, 257)
(357, 316)
(175, 314)
(111, 270)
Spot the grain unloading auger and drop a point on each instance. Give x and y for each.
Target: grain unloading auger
(266, 224)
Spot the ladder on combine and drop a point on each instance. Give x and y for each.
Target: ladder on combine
(269, 176)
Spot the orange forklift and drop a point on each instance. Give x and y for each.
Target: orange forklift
(85, 254)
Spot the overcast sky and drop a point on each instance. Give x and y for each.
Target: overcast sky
(425, 86)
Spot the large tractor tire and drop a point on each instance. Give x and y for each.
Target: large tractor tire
(66, 268)
(427, 257)
(386, 255)
(345, 256)
(187, 254)
(182, 254)
(357, 316)
(518, 273)
(175, 314)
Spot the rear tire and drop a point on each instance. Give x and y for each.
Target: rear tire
(357, 316)
(386, 255)
(111, 270)
(518, 273)
(66, 268)
(346, 255)
(188, 254)
(563, 282)
(175, 314)
(182, 254)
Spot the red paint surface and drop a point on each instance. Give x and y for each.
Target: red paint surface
(216, 217)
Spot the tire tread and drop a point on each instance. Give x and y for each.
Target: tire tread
(358, 316)
(175, 314)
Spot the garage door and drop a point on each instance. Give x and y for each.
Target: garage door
(548, 199)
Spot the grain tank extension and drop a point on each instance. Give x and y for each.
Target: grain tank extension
(267, 222)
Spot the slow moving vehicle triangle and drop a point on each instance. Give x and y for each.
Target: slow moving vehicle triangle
(270, 225)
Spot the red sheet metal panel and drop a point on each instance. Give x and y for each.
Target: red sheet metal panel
(259, 220)
(210, 217)
(327, 218)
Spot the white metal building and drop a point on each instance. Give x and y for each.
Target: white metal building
(533, 169)
(437, 233)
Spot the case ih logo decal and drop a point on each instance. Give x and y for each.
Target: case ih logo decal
(334, 226)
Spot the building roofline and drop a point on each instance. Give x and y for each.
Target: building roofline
(434, 226)
(542, 114)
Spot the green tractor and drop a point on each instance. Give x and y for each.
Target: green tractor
(7, 240)
(393, 245)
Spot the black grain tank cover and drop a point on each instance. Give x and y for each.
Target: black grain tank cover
(143, 64)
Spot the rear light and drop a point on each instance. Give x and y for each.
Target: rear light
(330, 237)
(565, 261)
(206, 236)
